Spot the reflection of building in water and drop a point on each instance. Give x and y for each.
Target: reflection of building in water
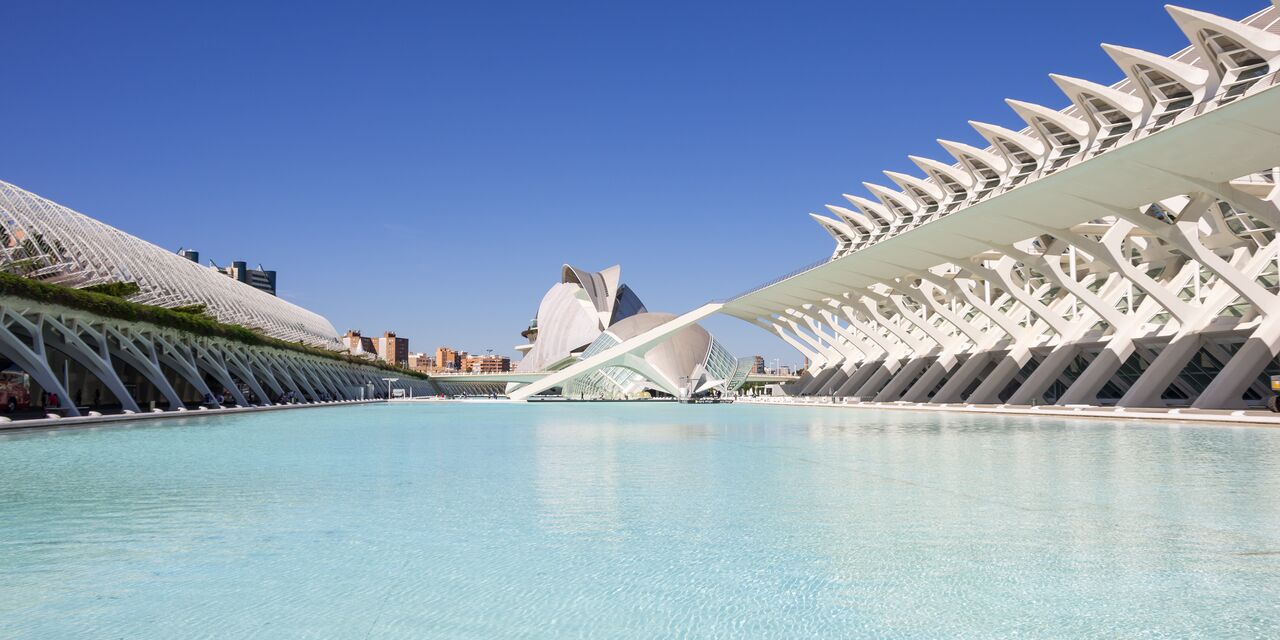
(577, 477)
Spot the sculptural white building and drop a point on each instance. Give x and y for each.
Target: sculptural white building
(589, 312)
(1121, 250)
(44, 240)
(84, 357)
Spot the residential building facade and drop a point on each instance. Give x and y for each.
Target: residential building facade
(486, 364)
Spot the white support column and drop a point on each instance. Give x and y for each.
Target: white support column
(831, 348)
(1233, 280)
(301, 376)
(896, 354)
(1120, 346)
(216, 367)
(920, 354)
(96, 360)
(867, 353)
(1019, 352)
(298, 385)
(244, 372)
(985, 340)
(327, 378)
(179, 358)
(139, 352)
(32, 359)
(968, 338)
(263, 371)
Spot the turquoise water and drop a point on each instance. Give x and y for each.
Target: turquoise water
(644, 521)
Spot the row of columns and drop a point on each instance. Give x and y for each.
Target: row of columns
(1131, 279)
(29, 337)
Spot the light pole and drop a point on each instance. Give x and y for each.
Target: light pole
(389, 381)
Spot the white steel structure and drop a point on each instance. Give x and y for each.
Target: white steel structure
(43, 240)
(1122, 250)
(85, 359)
(589, 313)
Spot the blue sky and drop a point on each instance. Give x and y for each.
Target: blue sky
(427, 167)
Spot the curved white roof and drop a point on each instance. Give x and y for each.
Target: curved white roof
(44, 240)
(1222, 61)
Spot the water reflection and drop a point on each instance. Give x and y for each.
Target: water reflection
(641, 521)
(577, 477)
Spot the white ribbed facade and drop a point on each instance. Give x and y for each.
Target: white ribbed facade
(47, 241)
(1121, 250)
(88, 361)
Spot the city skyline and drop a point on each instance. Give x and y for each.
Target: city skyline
(223, 150)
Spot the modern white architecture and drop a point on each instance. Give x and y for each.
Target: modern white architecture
(588, 313)
(86, 359)
(1120, 250)
(43, 240)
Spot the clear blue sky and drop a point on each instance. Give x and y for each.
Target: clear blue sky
(427, 167)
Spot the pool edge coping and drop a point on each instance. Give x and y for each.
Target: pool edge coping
(89, 421)
(1099, 413)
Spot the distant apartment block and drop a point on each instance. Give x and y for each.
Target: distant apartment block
(358, 345)
(260, 279)
(422, 362)
(386, 347)
(392, 349)
(758, 365)
(486, 364)
(448, 359)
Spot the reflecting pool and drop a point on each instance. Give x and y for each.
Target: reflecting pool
(631, 520)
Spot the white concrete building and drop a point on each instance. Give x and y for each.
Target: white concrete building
(1121, 250)
(86, 359)
(44, 240)
(588, 313)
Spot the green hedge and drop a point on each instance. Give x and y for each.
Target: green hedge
(112, 307)
(115, 289)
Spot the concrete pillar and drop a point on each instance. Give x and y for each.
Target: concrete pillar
(33, 359)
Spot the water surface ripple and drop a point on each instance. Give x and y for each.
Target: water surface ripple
(644, 521)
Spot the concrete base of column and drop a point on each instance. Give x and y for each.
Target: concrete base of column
(833, 383)
(1146, 390)
(876, 381)
(988, 392)
(1033, 388)
(919, 392)
(819, 381)
(1249, 362)
(901, 379)
(859, 378)
(1086, 387)
(962, 378)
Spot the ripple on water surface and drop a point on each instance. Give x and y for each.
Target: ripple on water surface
(481, 521)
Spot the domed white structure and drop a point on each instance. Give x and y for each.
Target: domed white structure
(588, 312)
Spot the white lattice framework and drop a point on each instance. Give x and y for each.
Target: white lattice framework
(44, 240)
(1116, 249)
(1225, 61)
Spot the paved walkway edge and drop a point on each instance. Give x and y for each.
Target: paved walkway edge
(1227, 417)
(88, 421)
